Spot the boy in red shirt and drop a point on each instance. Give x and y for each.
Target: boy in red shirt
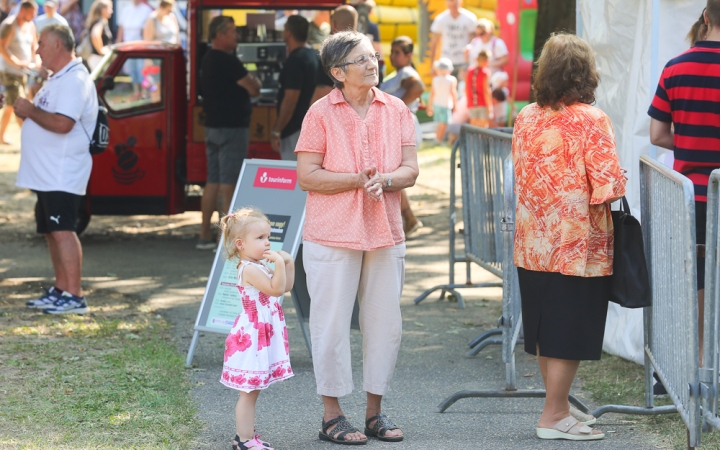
(479, 96)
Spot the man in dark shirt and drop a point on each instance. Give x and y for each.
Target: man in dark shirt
(297, 85)
(226, 87)
(344, 18)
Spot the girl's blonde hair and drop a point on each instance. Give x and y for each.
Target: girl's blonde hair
(234, 227)
(95, 12)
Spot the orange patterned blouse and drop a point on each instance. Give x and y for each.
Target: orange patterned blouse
(566, 168)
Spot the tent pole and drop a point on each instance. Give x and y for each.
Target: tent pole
(579, 26)
(654, 57)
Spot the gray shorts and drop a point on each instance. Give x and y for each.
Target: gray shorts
(226, 150)
(479, 113)
(287, 147)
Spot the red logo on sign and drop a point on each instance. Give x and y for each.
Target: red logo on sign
(275, 178)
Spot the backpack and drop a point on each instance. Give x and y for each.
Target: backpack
(101, 135)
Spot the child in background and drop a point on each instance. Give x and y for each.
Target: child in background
(500, 107)
(257, 352)
(443, 96)
(499, 80)
(479, 97)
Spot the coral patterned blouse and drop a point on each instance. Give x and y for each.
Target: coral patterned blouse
(566, 168)
(350, 144)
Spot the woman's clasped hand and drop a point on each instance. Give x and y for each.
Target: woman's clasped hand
(373, 183)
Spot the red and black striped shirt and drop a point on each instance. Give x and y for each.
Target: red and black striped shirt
(688, 95)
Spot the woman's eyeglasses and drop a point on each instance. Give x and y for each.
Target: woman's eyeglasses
(363, 60)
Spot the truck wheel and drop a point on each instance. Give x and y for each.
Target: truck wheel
(82, 222)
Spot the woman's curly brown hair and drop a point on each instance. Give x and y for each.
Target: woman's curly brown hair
(565, 72)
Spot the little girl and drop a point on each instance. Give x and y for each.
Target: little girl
(257, 352)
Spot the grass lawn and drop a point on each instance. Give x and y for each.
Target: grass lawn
(109, 379)
(613, 380)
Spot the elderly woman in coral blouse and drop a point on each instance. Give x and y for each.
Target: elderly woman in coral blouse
(567, 173)
(356, 152)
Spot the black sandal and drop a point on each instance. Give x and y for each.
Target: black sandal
(342, 429)
(382, 426)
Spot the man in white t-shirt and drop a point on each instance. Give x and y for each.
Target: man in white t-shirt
(50, 17)
(130, 28)
(485, 39)
(55, 162)
(455, 26)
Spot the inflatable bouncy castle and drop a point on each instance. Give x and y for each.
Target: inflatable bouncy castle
(514, 21)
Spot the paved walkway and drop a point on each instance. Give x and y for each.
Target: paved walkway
(431, 366)
(154, 259)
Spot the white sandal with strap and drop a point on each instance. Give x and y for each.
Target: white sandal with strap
(583, 418)
(569, 428)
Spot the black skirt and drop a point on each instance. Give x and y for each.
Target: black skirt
(564, 315)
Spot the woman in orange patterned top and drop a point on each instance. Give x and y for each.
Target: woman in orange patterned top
(567, 173)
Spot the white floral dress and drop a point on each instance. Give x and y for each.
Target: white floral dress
(257, 352)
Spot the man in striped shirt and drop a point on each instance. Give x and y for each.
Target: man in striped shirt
(685, 117)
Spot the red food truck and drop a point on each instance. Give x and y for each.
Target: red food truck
(155, 162)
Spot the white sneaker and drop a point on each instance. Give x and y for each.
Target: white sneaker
(47, 300)
(68, 304)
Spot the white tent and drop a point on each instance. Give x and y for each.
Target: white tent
(633, 40)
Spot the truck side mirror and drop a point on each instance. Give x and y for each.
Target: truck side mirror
(108, 84)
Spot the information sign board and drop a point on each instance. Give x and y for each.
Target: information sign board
(271, 186)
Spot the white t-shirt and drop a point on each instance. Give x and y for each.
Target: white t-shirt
(392, 85)
(45, 20)
(455, 33)
(442, 90)
(132, 20)
(60, 162)
(496, 47)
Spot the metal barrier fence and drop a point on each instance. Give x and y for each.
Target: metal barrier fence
(510, 319)
(671, 324)
(482, 152)
(711, 358)
(510, 323)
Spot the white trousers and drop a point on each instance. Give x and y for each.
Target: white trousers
(334, 277)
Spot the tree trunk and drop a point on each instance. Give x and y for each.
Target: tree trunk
(553, 16)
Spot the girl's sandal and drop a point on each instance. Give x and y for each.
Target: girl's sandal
(337, 434)
(381, 427)
(252, 444)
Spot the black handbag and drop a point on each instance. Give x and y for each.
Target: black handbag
(629, 283)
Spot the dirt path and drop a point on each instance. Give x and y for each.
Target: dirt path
(153, 258)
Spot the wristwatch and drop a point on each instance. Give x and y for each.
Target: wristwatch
(275, 134)
(389, 181)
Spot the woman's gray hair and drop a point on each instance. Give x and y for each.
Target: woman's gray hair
(335, 50)
(63, 33)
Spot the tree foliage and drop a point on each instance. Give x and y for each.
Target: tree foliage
(553, 16)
